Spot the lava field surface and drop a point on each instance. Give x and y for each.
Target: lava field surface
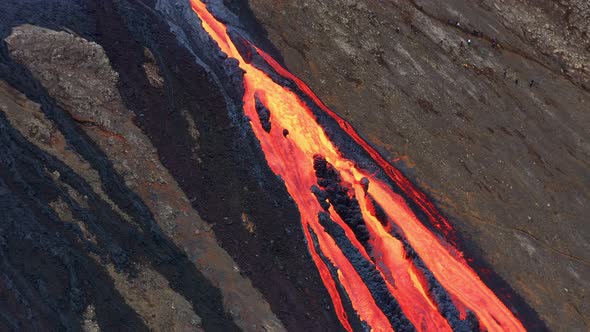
(225, 165)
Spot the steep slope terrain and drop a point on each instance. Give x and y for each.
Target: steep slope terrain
(92, 177)
(114, 135)
(136, 196)
(484, 105)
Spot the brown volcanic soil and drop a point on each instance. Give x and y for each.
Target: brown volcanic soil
(508, 161)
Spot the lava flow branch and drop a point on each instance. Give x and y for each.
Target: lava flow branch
(383, 268)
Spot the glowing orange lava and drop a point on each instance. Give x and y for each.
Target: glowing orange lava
(292, 157)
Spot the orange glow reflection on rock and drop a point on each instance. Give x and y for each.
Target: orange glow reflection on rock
(291, 158)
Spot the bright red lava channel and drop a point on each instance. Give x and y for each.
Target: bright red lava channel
(291, 158)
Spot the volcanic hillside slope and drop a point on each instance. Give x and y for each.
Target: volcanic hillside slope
(134, 194)
(496, 132)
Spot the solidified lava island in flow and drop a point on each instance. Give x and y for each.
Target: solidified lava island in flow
(365, 226)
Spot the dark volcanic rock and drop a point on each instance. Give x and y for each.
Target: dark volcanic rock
(337, 194)
(124, 247)
(263, 115)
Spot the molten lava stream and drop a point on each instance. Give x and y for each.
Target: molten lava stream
(409, 286)
(359, 295)
(292, 159)
(453, 273)
(401, 278)
(330, 284)
(394, 174)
